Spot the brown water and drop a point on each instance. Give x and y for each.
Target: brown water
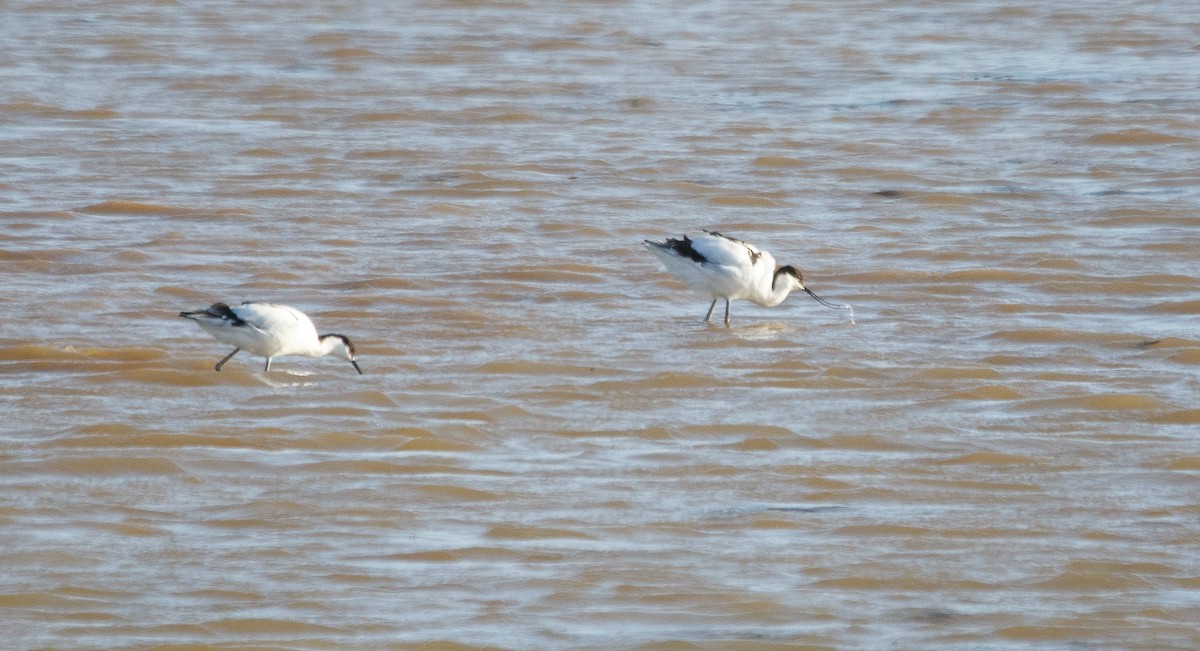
(548, 449)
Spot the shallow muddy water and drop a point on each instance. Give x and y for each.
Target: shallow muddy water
(548, 448)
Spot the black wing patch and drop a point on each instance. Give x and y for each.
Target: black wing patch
(682, 248)
(225, 312)
(216, 311)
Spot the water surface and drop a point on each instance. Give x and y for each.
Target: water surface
(548, 448)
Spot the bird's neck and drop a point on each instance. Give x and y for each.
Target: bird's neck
(768, 295)
(772, 297)
(325, 345)
(773, 287)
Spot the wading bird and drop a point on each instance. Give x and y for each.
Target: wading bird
(269, 330)
(720, 266)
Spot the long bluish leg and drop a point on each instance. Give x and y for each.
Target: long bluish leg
(726, 313)
(708, 317)
(268, 368)
(222, 362)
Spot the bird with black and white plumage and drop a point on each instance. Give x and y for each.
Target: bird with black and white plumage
(269, 330)
(724, 267)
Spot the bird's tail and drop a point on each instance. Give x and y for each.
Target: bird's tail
(215, 312)
(681, 248)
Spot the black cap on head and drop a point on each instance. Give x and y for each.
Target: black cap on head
(349, 349)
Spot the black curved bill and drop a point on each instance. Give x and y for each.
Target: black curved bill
(825, 302)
